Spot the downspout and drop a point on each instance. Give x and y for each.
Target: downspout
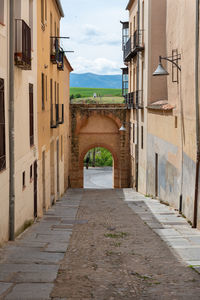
(11, 125)
(194, 225)
(137, 106)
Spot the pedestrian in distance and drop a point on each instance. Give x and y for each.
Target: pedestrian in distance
(87, 161)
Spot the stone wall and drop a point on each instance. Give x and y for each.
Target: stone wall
(97, 125)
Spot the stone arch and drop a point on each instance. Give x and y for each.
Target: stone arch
(97, 125)
(83, 121)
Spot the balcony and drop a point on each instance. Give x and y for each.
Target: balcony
(54, 50)
(133, 45)
(124, 81)
(134, 100)
(60, 60)
(57, 115)
(22, 45)
(57, 54)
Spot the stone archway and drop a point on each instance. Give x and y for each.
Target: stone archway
(115, 162)
(98, 125)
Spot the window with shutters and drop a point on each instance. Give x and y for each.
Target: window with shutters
(2, 128)
(31, 115)
(2, 12)
(42, 11)
(42, 91)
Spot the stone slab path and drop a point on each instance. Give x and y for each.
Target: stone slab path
(183, 240)
(103, 245)
(29, 266)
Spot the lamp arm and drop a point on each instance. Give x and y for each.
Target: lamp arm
(170, 60)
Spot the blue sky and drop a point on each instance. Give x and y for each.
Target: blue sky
(95, 34)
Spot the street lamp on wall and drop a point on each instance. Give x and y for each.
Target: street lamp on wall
(122, 128)
(160, 71)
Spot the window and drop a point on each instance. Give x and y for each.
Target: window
(42, 91)
(45, 11)
(2, 128)
(133, 132)
(31, 172)
(46, 88)
(61, 147)
(142, 137)
(2, 11)
(55, 92)
(42, 12)
(31, 20)
(31, 115)
(23, 180)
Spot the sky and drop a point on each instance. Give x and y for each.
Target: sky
(95, 35)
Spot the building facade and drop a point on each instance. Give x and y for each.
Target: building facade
(141, 49)
(4, 128)
(53, 106)
(34, 112)
(163, 120)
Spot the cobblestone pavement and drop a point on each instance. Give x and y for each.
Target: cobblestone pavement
(97, 244)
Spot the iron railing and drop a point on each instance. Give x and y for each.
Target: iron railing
(22, 45)
(133, 45)
(134, 100)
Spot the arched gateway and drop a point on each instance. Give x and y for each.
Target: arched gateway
(97, 125)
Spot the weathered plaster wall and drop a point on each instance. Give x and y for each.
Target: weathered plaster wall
(4, 174)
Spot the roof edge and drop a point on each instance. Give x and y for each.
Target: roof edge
(129, 4)
(60, 8)
(67, 61)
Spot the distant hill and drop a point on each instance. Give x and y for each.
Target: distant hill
(90, 80)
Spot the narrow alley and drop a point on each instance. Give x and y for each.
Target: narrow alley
(103, 245)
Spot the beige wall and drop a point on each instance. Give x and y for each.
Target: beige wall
(172, 134)
(50, 188)
(153, 25)
(4, 175)
(24, 154)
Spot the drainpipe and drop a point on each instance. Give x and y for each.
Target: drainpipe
(11, 125)
(194, 225)
(137, 109)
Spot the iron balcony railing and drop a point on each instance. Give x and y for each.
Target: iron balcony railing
(57, 115)
(134, 100)
(22, 45)
(57, 54)
(133, 45)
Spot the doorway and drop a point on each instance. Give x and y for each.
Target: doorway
(35, 189)
(98, 169)
(156, 174)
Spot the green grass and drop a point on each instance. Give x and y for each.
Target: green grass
(99, 100)
(88, 92)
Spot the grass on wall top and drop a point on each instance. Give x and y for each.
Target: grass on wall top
(85, 95)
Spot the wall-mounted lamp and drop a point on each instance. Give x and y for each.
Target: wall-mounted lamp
(160, 71)
(123, 128)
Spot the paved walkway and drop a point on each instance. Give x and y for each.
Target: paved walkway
(169, 225)
(98, 178)
(30, 265)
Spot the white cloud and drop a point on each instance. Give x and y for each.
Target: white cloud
(95, 34)
(98, 66)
